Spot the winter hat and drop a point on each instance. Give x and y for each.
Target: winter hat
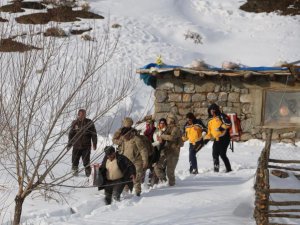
(127, 122)
(149, 119)
(171, 118)
(215, 107)
(108, 150)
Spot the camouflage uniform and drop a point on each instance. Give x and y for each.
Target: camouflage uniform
(133, 148)
(127, 122)
(170, 154)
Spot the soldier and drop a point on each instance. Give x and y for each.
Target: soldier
(117, 171)
(172, 137)
(127, 122)
(81, 136)
(133, 147)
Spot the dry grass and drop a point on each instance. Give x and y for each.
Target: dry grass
(60, 14)
(116, 25)
(17, 6)
(55, 32)
(77, 32)
(9, 45)
(284, 7)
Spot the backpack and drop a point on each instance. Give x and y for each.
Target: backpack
(147, 143)
(235, 131)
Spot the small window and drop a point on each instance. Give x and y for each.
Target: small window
(282, 108)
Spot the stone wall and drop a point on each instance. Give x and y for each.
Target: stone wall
(180, 95)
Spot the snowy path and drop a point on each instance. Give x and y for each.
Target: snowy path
(199, 199)
(207, 198)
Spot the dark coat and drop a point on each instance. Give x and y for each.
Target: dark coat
(82, 133)
(125, 165)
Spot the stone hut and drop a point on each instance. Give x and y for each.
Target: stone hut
(261, 98)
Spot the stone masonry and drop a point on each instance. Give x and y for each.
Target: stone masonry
(189, 93)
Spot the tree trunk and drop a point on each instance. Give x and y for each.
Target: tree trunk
(18, 210)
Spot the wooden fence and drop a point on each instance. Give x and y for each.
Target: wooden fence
(262, 212)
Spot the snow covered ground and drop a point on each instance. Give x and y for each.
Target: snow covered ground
(206, 198)
(152, 28)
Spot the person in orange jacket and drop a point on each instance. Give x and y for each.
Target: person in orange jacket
(218, 131)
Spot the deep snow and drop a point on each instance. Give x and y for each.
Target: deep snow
(152, 28)
(206, 198)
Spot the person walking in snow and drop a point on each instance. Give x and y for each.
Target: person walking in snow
(150, 129)
(193, 132)
(148, 132)
(127, 122)
(159, 144)
(173, 142)
(81, 136)
(117, 171)
(158, 149)
(218, 130)
(133, 147)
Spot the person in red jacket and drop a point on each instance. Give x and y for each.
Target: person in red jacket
(150, 129)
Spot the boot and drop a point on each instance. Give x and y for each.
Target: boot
(75, 172)
(194, 171)
(216, 168)
(107, 200)
(162, 180)
(154, 180)
(88, 172)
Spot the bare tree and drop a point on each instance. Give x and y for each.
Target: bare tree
(40, 91)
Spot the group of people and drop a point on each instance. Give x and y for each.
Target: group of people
(157, 149)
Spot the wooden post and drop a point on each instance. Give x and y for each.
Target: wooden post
(262, 186)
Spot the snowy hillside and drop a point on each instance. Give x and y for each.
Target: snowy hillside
(152, 28)
(157, 28)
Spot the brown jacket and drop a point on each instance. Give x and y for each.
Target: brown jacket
(173, 137)
(117, 137)
(82, 133)
(134, 149)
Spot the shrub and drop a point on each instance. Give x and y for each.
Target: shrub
(194, 36)
(116, 25)
(55, 32)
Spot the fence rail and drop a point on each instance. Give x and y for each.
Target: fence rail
(262, 213)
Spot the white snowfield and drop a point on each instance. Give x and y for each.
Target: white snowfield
(206, 198)
(157, 27)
